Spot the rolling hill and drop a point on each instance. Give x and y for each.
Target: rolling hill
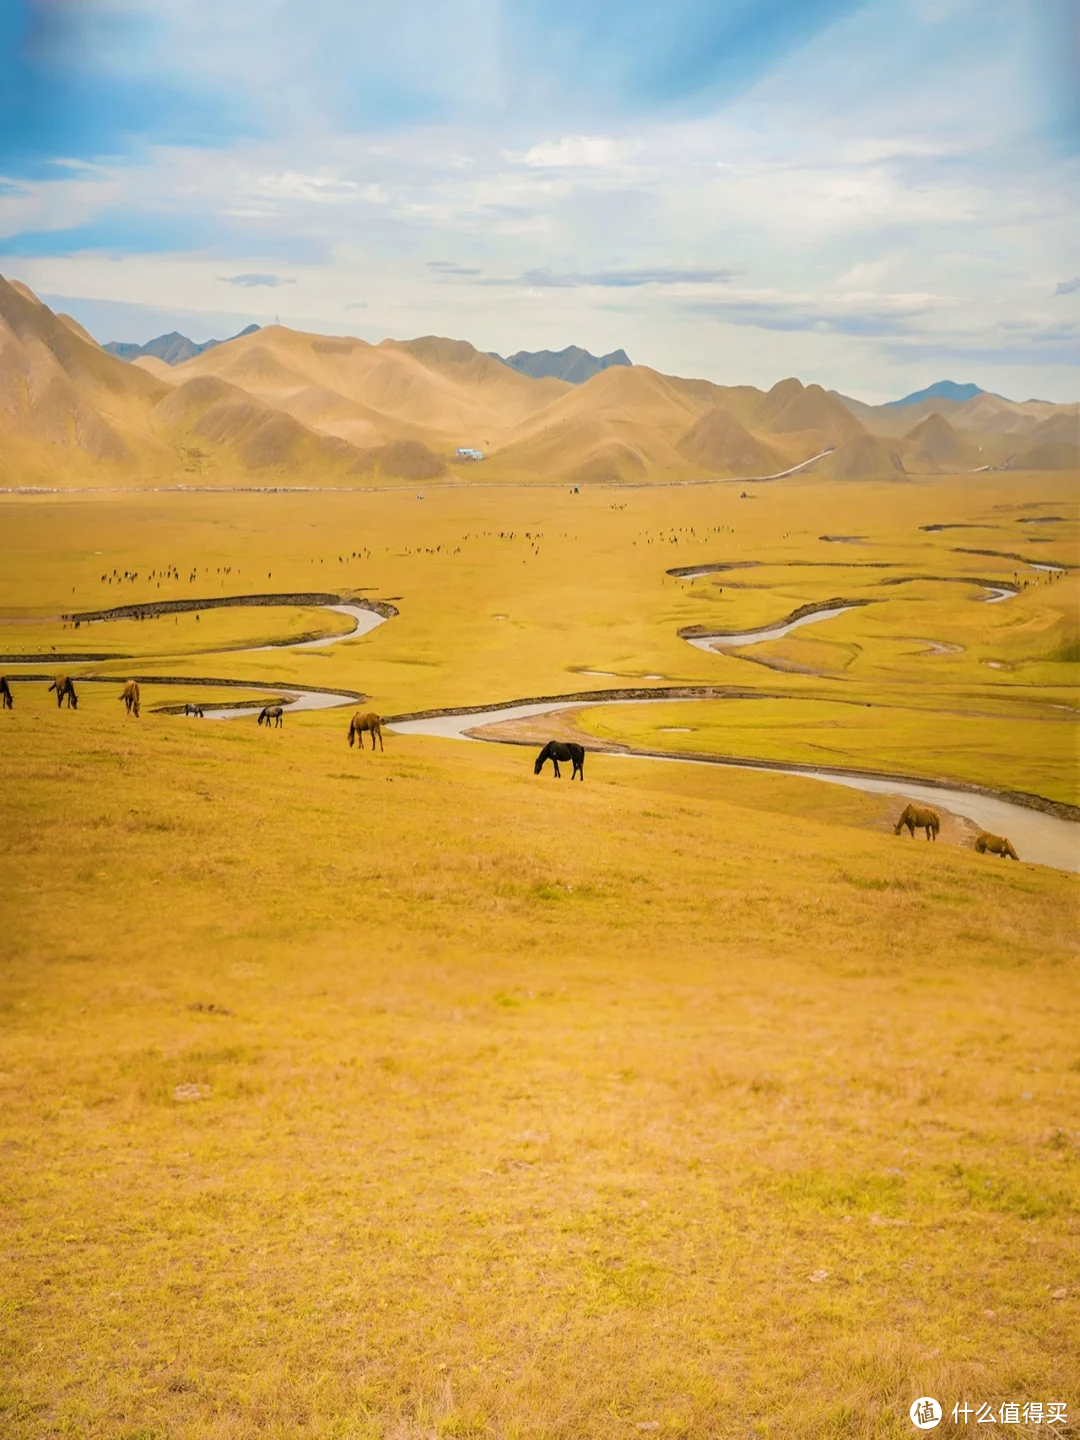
(280, 406)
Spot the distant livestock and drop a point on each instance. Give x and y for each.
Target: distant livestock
(130, 696)
(65, 689)
(919, 817)
(996, 844)
(190, 709)
(6, 702)
(361, 722)
(273, 715)
(556, 750)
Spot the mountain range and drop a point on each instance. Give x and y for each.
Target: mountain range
(572, 364)
(280, 406)
(173, 348)
(942, 390)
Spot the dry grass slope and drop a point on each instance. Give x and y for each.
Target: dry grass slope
(407, 1096)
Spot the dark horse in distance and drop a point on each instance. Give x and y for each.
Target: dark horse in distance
(5, 694)
(556, 750)
(273, 715)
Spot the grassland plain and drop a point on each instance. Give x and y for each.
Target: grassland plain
(411, 1095)
(508, 593)
(408, 1095)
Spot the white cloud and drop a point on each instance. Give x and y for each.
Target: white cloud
(580, 151)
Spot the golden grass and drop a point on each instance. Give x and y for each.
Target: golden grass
(488, 1106)
(526, 1110)
(1036, 754)
(486, 617)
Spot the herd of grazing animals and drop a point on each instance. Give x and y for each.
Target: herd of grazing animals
(913, 817)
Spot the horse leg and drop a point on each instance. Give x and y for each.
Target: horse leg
(381, 745)
(558, 772)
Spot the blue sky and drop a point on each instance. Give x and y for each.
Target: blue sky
(870, 195)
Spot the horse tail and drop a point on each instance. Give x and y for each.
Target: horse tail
(352, 729)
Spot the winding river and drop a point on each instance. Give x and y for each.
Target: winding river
(754, 637)
(364, 621)
(1041, 837)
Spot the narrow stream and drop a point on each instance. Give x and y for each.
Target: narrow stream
(754, 637)
(364, 622)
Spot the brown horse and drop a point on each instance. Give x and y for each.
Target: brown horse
(919, 817)
(996, 844)
(64, 688)
(6, 701)
(130, 696)
(361, 722)
(273, 715)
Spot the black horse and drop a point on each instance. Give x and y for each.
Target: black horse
(556, 750)
(5, 694)
(272, 714)
(192, 709)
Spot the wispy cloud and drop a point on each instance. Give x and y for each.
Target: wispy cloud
(789, 316)
(448, 267)
(254, 280)
(580, 152)
(545, 279)
(611, 174)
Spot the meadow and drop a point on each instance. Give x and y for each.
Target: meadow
(686, 1101)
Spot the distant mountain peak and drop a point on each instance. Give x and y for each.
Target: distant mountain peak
(173, 348)
(572, 364)
(942, 390)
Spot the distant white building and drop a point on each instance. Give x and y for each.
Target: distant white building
(465, 452)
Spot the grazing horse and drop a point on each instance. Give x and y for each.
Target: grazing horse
(5, 694)
(996, 844)
(130, 696)
(272, 714)
(64, 688)
(361, 722)
(556, 750)
(191, 709)
(919, 817)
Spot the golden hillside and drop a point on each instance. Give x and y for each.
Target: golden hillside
(284, 407)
